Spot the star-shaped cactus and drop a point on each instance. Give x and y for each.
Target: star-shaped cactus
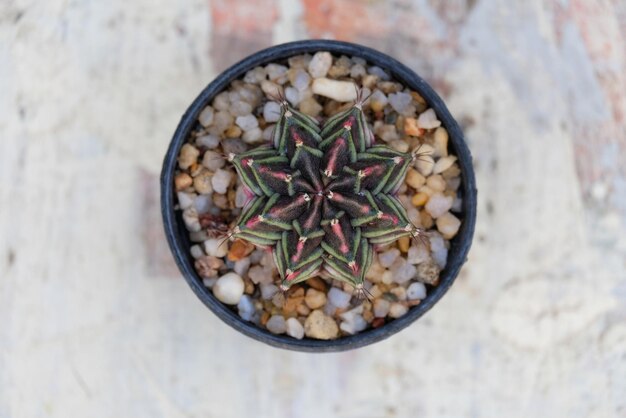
(322, 195)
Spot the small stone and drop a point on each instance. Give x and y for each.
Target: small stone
(315, 299)
(202, 182)
(220, 181)
(255, 75)
(375, 272)
(260, 275)
(206, 116)
(381, 308)
(443, 164)
(341, 91)
(399, 145)
(387, 133)
(229, 288)
(448, 225)
(353, 321)
(425, 165)
(440, 142)
(268, 132)
(402, 271)
(399, 292)
(203, 204)
(245, 308)
(301, 80)
(241, 266)
(182, 181)
(221, 101)
(253, 136)
(402, 103)
(428, 272)
(299, 61)
(207, 266)
(438, 204)
(396, 310)
(240, 249)
(378, 100)
(357, 70)
(275, 72)
(426, 220)
(411, 128)
(190, 218)
(196, 251)
(387, 258)
(222, 121)
(414, 179)
(276, 324)
(188, 156)
(428, 120)
(457, 206)
(268, 290)
(310, 107)
(270, 88)
(320, 326)
(247, 122)
(416, 290)
(241, 197)
(338, 298)
(403, 244)
(320, 64)
(379, 72)
(387, 277)
(213, 160)
(292, 96)
(209, 141)
(436, 183)
(271, 112)
(294, 328)
(418, 254)
(216, 247)
(220, 201)
(240, 108)
(419, 199)
(233, 145)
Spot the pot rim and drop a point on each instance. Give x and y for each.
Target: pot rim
(179, 243)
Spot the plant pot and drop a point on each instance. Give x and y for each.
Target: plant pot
(178, 238)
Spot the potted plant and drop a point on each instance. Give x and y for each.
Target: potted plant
(318, 196)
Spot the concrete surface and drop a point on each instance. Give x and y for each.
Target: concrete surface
(97, 322)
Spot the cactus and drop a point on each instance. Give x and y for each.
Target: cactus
(322, 195)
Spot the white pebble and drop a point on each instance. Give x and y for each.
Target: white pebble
(379, 72)
(339, 298)
(357, 71)
(416, 290)
(255, 75)
(387, 258)
(443, 164)
(320, 64)
(276, 324)
(396, 310)
(448, 225)
(216, 247)
(260, 275)
(202, 203)
(292, 96)
(222, 121)
(425, 165)
(222, 101)
(268, 132)
(253, 136)
(241, 266)
(188, 155)
(301, 80)
(271, 112)
(240, 108)
(295, 328)
(428, 120)
(209, 141)
(438, 204)
(268, 290)
(220, 181)
(185, 200)
(401, 103)
(353, 321)
(241, 197)
(206, 116)
(212, 160)
(196, 251)
(190, 217)
(341, 91)
(245, 307)
(417, 254)
(402, 271)
(275, 71)
(247, 122)
(381, 308)
(438, 250)
(229, 288)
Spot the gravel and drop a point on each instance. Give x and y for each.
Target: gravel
(229, 288)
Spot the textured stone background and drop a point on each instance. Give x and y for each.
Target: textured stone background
(95, 320)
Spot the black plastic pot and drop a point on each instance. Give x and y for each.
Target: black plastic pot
(177, 234)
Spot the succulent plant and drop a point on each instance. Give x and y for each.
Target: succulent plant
(322, 195)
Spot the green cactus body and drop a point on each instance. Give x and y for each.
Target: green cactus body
(323, 195)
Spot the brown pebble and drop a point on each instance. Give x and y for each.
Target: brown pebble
(411, 128)
(317, 284)
(414, 179)
(265, 316)
(202, 182)
(378, 322)
(239, 250)
(315, 299)
(182, 181)
(233, 132)
(303, 309)
(419, 199)
(403, 244)
(248, 286)
(426, 220)
(417, 97)
(428, 272)
(220, 200)
(206, 267)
